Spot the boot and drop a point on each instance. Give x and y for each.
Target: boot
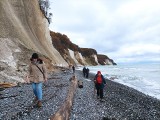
(39, 104)
(35, 100)
(102, 100)
(98, 97)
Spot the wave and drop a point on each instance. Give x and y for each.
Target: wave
(144, 78)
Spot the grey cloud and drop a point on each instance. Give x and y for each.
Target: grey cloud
(108, 30)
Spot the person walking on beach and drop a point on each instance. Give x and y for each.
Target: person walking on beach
(87, 72)
(73, 68)
(84, 71)
(99, 84)
(37, 75)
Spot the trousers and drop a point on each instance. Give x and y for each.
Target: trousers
(100, 92)
(37, 90)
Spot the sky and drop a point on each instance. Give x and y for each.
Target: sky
(127, 31)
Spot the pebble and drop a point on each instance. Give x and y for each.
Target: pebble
(120, 102)
(18, 101)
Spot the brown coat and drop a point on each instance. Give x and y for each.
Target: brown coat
(35, 75)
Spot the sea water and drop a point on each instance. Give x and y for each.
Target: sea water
(142, 77)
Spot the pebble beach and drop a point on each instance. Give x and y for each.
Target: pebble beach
(16, 103)
(120, 102)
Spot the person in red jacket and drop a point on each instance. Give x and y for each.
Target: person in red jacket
(99, 84)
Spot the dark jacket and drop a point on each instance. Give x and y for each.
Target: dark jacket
(100, 86)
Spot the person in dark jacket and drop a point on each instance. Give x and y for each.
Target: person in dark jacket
(87, 72)
(84, 71)
(99, 84)
(73, 68)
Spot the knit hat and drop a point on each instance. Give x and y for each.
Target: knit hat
(34, 56)
(99, 72)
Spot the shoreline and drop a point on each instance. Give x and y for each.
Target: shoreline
(121, 102)
(93, 74)
(142, 77)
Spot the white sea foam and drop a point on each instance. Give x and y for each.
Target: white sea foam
(142, 77)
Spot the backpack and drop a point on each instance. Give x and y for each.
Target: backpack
(80, 84)
(99, 80)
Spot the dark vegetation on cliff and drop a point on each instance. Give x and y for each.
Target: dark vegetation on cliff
(88, 52)
(102, 59)
(62, 43)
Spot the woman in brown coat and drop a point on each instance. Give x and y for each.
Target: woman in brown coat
(37, 75)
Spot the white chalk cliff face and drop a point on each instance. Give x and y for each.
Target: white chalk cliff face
(80, 58)
(23, 30)
(77, 57)
(96, 59)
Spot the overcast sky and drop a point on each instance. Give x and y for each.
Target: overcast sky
(124, 30)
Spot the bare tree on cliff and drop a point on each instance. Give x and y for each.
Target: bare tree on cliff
(45, 6)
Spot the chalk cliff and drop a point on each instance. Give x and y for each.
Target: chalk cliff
(23, 30)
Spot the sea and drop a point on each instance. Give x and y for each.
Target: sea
(144, 77)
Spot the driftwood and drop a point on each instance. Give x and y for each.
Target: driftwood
(64, 112)
(7, 85)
